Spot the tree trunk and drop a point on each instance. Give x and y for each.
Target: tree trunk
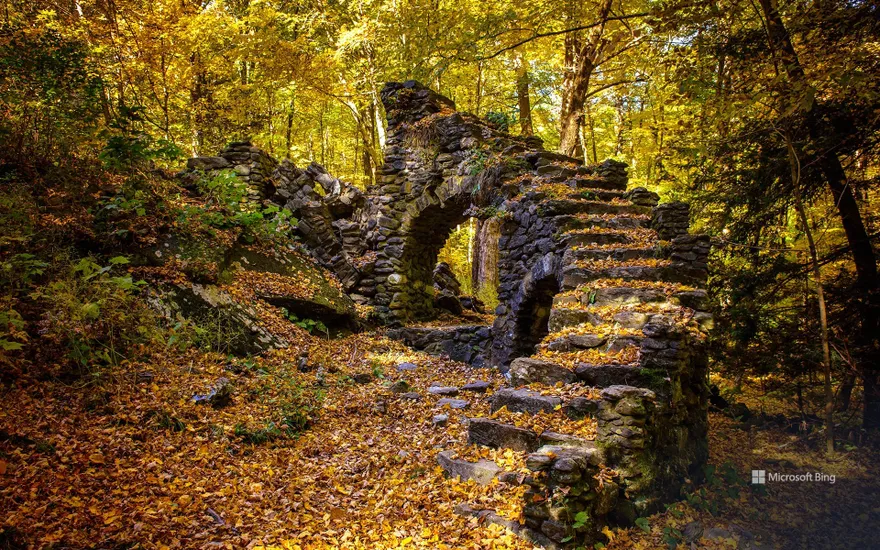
(846, 388)
(522, 95)
(581, 59)
(477, 245)
(485, 258)
(574, 89)
(288, 137)
(820, 296)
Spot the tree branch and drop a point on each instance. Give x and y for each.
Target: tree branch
(613, 84)
(559, 32)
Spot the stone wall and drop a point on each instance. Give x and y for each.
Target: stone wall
(251, 164)
(599, 269)
(671, 220)
(465, 343)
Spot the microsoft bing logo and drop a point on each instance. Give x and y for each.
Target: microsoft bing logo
(759, 477)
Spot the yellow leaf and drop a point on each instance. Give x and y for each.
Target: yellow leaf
(184, 501)
(96, 458)
(3, 467)
(608, 533)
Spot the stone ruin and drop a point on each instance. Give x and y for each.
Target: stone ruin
(601, 277)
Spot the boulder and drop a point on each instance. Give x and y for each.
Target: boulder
(444, 279)
(449, 301)
(362, 378)
(401, 386)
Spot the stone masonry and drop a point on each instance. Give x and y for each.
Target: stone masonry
(600, 287)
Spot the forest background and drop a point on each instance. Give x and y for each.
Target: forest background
(762, 115)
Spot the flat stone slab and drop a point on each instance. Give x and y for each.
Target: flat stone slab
(443, 390)
(412, 396)
(478, 386)
(482, 471)
(406, 366)
(524, 400)
(482, 431)
(452, 403)
(566, 440)
(603, 376)
(525, 371)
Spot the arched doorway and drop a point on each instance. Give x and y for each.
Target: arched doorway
(533, 317)
(525, 323)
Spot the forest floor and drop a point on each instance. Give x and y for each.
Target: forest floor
(129, 460)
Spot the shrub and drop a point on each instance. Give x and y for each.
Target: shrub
(93, 312)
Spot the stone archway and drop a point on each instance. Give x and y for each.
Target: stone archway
(423, 232)
(526, 321)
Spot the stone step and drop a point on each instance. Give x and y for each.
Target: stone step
(597, 183)
(596, 194)
(489, 433)
(525, 370)
(622, 295)
(598, 238)
(549, 453)
(575, 276)
(562, 318)
(573, 255)
(556, 207)
(533, 402)
(483, 471)
(609, 344)
(522, 531)
(605, 376)
(497, 435)
(575, 222)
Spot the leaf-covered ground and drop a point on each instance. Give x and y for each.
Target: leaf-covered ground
(131, 459)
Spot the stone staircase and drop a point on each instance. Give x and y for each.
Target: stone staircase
(621, 365)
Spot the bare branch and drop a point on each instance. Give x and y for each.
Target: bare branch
(536, 36)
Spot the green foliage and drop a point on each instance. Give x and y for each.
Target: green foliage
(309, 325)
(94, 312)
(166, 421)
(297, 404)
(129, 147)
(50, 95)
(478, 161)
(672, 537)
(12, 336)
(581, 519)
(217, 329)
(500, 120)
(226, 194)
(19, 271)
